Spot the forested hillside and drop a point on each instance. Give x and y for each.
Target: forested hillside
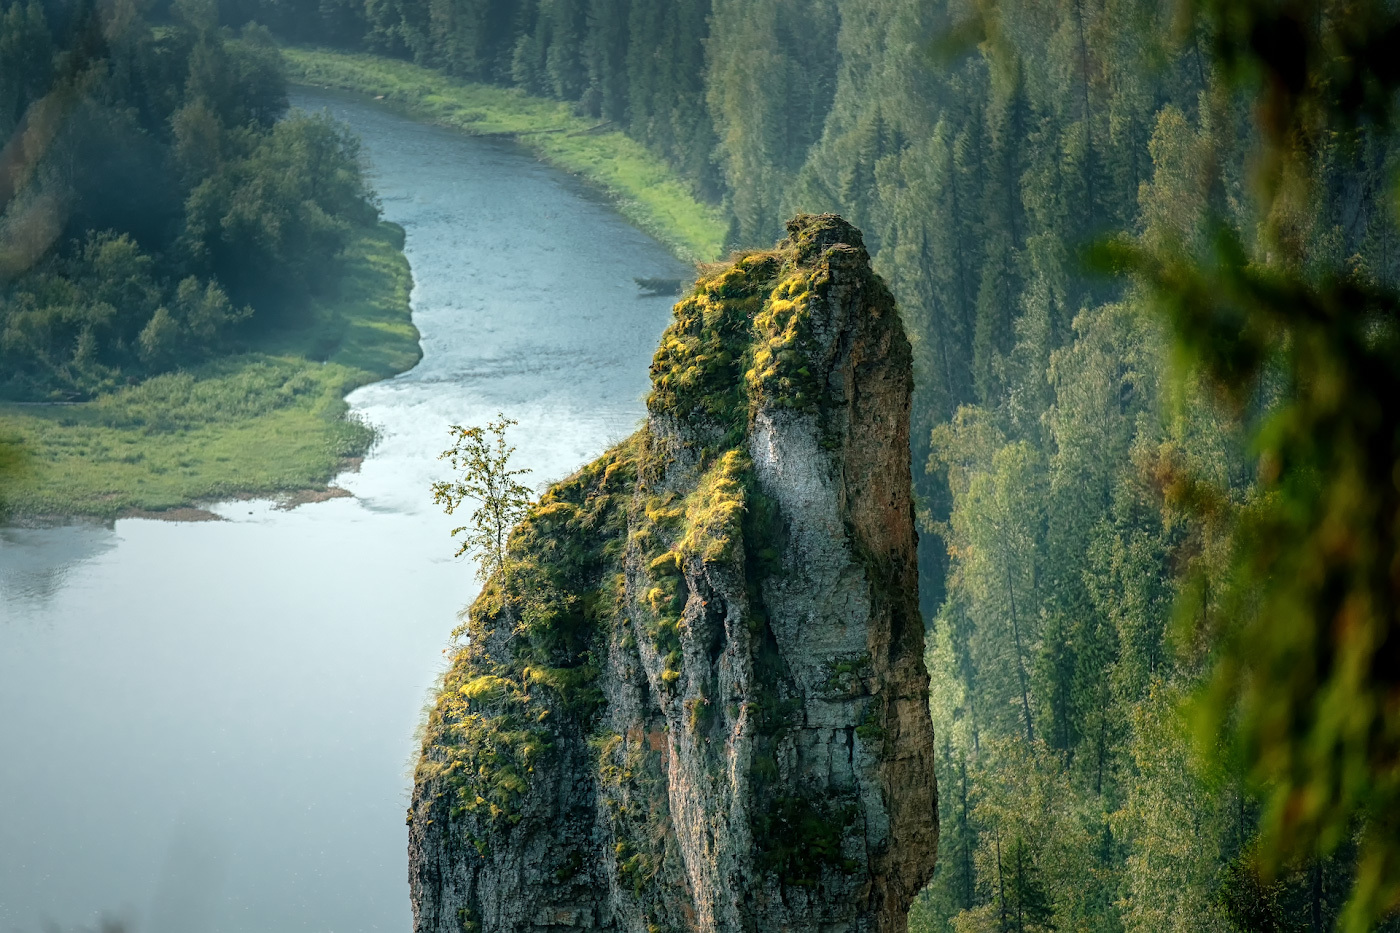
(153, 209)
(1087, 466)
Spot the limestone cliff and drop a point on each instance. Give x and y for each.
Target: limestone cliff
(696, 698)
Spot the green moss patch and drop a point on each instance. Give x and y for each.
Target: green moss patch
(782, 371)
(698, 370)
(533, 635)
(801, 838)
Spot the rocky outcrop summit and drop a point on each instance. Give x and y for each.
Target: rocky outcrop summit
(695, 698)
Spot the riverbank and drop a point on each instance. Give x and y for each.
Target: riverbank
(267, 422)
(640, 185)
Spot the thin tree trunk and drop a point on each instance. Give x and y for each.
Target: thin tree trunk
(1316, 894)
(969, 888)
(1020, 886)
(1088, 112)
(1103, 741)
(1020, 663)
(1001, 883)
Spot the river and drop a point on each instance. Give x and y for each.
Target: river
(210, 726)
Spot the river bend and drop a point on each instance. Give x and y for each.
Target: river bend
(209, 727)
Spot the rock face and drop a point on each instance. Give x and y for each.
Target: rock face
(696, 698)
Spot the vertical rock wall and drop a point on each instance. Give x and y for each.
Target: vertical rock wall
(697, 698)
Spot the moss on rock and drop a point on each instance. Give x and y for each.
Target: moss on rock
(676, 668)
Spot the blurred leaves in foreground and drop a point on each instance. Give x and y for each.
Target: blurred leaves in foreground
(1305, 349)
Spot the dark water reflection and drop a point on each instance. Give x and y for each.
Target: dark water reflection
(209, 727)
(35, 564)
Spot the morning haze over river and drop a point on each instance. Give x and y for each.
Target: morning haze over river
(210, 726)
(1000, 535)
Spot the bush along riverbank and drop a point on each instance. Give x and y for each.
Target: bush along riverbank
(267, 421)
(640, 184)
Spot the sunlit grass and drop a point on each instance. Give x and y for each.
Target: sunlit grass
(265, 421)
(638, 182)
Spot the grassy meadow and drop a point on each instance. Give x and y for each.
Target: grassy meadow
(267, 421)
(640, 185)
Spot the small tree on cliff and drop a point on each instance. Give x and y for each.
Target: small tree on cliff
(481, 459)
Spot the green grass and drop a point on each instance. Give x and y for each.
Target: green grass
(639, 183)
(265, 421)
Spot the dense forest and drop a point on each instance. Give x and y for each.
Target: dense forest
(155, 208)
(1126, 676)
(1146, 255)
(1088, 502)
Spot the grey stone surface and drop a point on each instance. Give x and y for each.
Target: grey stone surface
(784, 780)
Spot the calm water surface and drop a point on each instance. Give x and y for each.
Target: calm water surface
(209, 727)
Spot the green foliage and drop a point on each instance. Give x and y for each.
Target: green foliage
(870, 731)
(771, 79)
(995, 530)
(267, 421)
(848, 677)
(26, 61)
(714, 512)
(1082, 478)
(482, 457)
(1141, 493)
(1296, 335)
(274, 225)
(741, 338)
(12, 465)
(636, 804)
(198, 221)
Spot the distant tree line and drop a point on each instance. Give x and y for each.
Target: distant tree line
(1144, 510)
(154, 205)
